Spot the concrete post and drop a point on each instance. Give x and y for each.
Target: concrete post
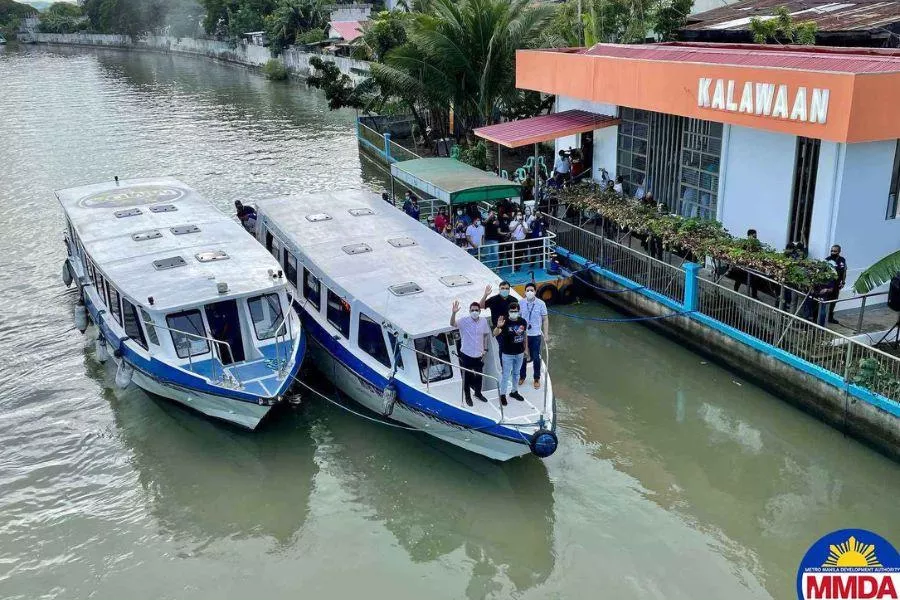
(387, 147)
(691, 290)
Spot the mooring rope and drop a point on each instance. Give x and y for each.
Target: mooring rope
(621, 319)
(351, 411)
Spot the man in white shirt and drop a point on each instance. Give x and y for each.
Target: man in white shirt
(534, 311)
(473, 331)
(563, 167)
(619, 188)
(475, 235)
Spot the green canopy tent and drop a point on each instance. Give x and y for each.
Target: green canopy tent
(452, 181)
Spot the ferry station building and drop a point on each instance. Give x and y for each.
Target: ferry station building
(798, 143)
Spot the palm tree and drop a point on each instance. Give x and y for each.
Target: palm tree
(878, 274)
(461, 55)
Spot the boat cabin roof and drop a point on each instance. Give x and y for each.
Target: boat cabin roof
(158, 237)
(403, 271)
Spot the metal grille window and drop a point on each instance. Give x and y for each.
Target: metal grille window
(701, 150)
(631, 158)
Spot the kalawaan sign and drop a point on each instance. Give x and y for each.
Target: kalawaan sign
(764, 99)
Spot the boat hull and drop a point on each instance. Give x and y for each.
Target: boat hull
(236, 412)
(370, 396)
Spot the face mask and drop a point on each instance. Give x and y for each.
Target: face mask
(530, 294)
(477, 223)
(519, 218)
(527, 211)
(504, 293)
(513, 315)
(459, 213)
(475, 313)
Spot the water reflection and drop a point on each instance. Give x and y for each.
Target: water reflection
(205, 480)
(436, 498)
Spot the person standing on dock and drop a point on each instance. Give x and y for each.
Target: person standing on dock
(535, 312)
(475, 237)
(510, 332)
(474, 332)
(839, 264)
(411, 206)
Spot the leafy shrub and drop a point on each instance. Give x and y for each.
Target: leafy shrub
(274, 70)
(313, 36)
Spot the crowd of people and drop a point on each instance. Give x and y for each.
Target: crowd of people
(481, 232)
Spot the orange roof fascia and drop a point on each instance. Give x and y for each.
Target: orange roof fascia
(861, 107)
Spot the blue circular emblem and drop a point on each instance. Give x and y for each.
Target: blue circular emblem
(849, 564)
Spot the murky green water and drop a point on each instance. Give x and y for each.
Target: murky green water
(674, 478)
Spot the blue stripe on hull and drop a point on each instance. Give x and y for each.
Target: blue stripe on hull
(169, 375)
(408, 395)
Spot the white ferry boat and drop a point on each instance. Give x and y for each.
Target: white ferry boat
(185, 301)
(375, 290)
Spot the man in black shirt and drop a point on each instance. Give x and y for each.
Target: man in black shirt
(839, 263)
(510, 332)
(498, 303)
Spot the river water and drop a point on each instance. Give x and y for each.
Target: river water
(674, 479)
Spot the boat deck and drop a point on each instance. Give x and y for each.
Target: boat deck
(259, 376)
(516, 412)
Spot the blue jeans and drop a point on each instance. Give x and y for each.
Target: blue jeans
(534, 349)
(511, 364)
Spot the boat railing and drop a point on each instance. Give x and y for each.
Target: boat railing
(518, 255)
(429, 358)
(219, 375)
(284, 335)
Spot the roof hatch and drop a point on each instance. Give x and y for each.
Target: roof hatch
(403, 242)
(146, 235)
(456, 280)
(128, 212)
(168, 263)
(184, 229)
(211, 256)
(405, 289)
(318, 217)
(361, 212)
(161, 208)
(357, 249)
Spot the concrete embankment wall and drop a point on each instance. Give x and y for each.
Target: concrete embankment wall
(296, 61)
(847, 407)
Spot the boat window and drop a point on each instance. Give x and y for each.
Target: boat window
(148, 325)
(265, 312)
(370, 340)
(290, 267)
(395, 350)
(189, 336)
(113, 304)
(437, 347)
(338, 313)
(100, 284)
(132, 323)
(311, 289)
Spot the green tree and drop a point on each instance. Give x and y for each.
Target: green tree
(291, 18)
(461, 55)
(132, 17)
(781, 28)
(63, 17)
(670, 16)
(337, 87)
(383, 33)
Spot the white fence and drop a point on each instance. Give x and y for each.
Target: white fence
(243, 53)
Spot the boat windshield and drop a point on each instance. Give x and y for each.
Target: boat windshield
(265, 311)
(188, 333)
(435, 346)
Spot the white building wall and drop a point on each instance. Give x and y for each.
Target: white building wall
(859, 225)
(604, 139)
(828, 186)
(758, 171)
